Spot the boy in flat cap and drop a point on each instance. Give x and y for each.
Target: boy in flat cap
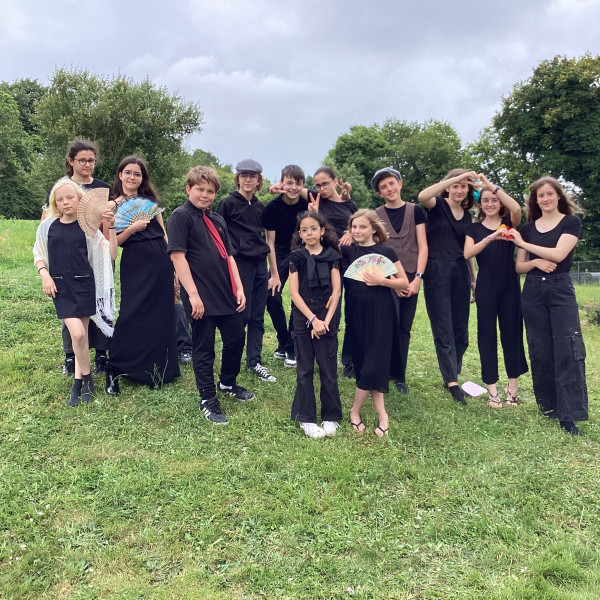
(244, 213)
(405, 226)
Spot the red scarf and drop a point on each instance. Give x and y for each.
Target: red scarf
(216, 238)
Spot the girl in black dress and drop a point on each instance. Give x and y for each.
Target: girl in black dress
(315, 289)
(371, 317)
(449, 277)
(144, 346)
(498, 290)
(76, 273)
(556, 348)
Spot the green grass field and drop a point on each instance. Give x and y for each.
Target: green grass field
(139, 497)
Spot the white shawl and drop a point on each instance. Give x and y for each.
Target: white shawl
(100, 261)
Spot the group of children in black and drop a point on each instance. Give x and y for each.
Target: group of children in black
(310, 238)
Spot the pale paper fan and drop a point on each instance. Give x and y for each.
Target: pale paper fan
(370, 263)
(89, 212)
(135, 209)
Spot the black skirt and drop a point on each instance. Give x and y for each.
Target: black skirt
(75, 295)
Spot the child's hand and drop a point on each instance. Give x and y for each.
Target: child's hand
(276, 188)
(197, 306)
(313, 203)
(345, 189)
(346, 239)
(48, 285)
(319, 328)
(372, 279)
(108, 216)
(274, 284)
(241, 300)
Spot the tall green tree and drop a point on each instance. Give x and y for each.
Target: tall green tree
(422, 152)
(17, 156)
(553, 120)
(122, 116)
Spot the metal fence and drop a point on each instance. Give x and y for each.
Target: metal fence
(586, 272)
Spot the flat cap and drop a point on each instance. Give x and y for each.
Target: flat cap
(382, 174)
(248, 166)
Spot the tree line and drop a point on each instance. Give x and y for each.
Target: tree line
(548, 125)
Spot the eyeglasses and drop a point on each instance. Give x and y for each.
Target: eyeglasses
(132, 174)
(249, 175)
(305, 230)
(86, 161)
(319, 186)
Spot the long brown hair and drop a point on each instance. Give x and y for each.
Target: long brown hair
(566, 206)
(146, 189)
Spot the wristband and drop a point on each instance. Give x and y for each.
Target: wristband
(111, 227)
(419, 275)
(497, 188)
(310, 320)
(41, 269)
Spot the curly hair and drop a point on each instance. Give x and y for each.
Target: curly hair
(330, 239)
(77, 145)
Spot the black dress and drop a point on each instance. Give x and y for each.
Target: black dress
(144, 346)
(71, 271)
(371, 319)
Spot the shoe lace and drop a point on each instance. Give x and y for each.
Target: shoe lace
(260, 370)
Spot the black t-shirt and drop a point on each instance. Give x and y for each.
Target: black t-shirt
(281, 218)
(96, 183)
(445, 234)
(568, 224)
(396, 216)
(188, 233)
(498, 254)
(337, 213)
(245, 225)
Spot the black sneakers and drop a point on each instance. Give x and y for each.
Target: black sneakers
(212, 411)
(237, 391)
(68, 367)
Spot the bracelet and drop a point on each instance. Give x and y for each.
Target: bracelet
(488, 239)
(41, 269)
(420, 275)
(310, 320)
(111, 227)
(497, 188)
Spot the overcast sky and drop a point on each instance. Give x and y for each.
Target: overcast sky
(279, 81)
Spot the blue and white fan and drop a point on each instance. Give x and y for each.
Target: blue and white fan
(135, 209)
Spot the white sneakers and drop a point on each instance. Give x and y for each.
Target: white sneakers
(312, 430)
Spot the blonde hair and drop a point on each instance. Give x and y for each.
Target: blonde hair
(53, 211)
(379, 232)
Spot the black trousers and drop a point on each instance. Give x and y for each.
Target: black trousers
(282, 326)
(498, 297)
(556, 348)
(447, 297)
(406, 309)
(231, 328)
(255, 280)
(182, 329)
(324, 352)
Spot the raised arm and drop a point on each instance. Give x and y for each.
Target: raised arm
(511, 205)
(427, 196)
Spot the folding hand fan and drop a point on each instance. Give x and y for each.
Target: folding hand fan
(90, 209)
(135, 209)
(370, 263)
